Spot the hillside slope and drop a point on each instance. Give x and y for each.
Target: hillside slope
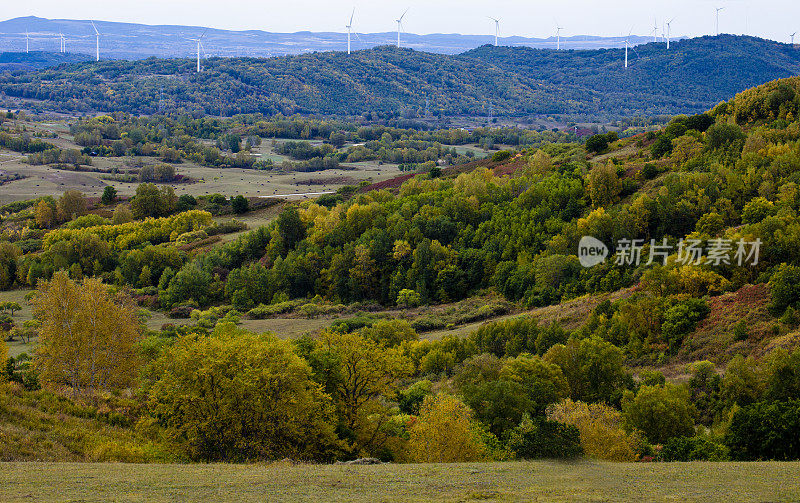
(389, 82)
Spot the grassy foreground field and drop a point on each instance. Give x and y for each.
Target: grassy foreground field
(515, 481)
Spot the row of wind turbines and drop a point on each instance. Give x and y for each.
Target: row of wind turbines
(666, 29)
(63, 42)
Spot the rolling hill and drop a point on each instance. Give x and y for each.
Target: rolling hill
(391, 82)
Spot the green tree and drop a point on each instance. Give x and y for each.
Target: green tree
(407, 298)
(765, 431)
(660, 412)
(235, 395)
(593, 369)
(390, 332)
(597, 143)
(109, 195)
(122, 215)
(784, 287)
(9, 255)
(291, 228)
(70, 205)
(604, 185)
(240, 204)
(146, 202)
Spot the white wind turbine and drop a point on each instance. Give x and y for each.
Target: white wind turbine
(655, 30)
(400, 26)
(558, 36)
(717, 19)
(199, 41)
(669, 27)
(27, 42)
(349, 28)
(496, 30)
(97, 41)
(792, 36)
(63, 42)
(627, 42)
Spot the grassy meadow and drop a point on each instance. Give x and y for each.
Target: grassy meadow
(511, 481)
(49, 181)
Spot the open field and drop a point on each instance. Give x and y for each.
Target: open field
(48, 181)
(514, 481)
(44, 180)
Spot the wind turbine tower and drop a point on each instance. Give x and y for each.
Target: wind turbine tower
(199, 41)
(792, 36)
(400, 26)
(655, 30)
(717, 20)
(97, 41)
(669, 26)
(27, 42)
(558, 37)
(496, 30)
(63, 44)
(349, 28)
(627, 42)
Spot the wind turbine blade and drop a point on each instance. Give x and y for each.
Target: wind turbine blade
(352, 15)
(404, 14)
(95, 28)
(204, 34)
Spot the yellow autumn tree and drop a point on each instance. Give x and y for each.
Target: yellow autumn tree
(604, 186)
(87, 336)
(445, 432)
(601, 428)
(45, 214)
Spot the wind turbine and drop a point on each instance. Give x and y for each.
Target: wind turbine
(27, 42)
(627, 39)
(558, 36)
(669, 26)
(792, 36)
(655, 30)
(97, 40)
(199, 41)
(400, 26)
(496, 30)
(718, 9)
(349, 27)
(63, 44)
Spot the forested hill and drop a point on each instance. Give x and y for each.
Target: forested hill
(697, 72)
(10, 61)
(691, 77)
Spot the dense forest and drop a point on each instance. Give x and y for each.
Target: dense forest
(387, 82)
(501, 233)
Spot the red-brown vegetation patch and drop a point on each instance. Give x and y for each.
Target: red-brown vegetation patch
(714, 339)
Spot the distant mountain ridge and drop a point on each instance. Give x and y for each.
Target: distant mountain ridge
(386, 82)
(139, 41)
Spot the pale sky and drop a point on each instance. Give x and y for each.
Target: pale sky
(775, 19)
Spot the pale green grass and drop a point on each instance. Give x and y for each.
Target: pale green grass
(514, 481)
(285, 328)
